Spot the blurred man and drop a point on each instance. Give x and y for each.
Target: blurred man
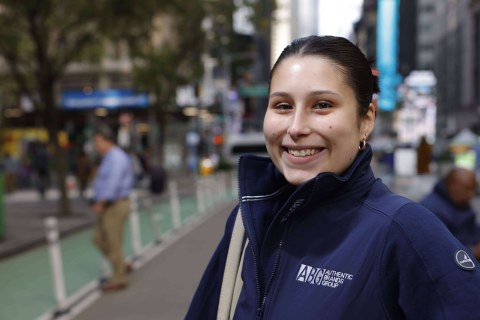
(450, 200)
(112, 187)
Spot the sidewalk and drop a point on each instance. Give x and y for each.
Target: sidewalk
(164, 287)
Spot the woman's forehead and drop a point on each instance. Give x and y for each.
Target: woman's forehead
(316, 72)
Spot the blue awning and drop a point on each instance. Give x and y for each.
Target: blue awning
(110, 99)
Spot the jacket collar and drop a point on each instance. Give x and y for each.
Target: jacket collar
(260, 180)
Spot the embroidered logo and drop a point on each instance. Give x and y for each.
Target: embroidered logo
(322, 277)
(463, 260)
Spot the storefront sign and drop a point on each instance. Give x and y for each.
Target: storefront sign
(110, 99)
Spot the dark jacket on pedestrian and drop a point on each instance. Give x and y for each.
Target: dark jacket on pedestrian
(339, 247)
(460, 221)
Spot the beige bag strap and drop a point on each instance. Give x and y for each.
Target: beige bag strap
(232, 281)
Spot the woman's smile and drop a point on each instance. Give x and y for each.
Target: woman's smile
(302, 152)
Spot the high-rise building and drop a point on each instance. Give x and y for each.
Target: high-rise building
(366, 33)
(429, 23)
(452, 42)
(304, 18)
(292, 19)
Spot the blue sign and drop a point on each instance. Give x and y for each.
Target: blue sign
(110, 99)
(387, 53)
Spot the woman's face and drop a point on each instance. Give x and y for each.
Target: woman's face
(311, 124)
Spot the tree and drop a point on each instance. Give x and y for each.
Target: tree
(38, 40)
(167, 56)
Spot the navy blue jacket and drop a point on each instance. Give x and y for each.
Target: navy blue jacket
(340, 247)
(460, 221)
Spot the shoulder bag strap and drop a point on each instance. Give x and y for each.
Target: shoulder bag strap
(232, 281)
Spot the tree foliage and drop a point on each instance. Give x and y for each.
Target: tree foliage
(166, 38)
(168, 55)
(38, 40)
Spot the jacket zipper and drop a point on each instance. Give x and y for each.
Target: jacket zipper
(261, 309)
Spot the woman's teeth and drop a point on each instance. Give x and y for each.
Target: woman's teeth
(303, 153)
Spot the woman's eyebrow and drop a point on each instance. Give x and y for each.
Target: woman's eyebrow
(320, 92)
(279, 94)
(311, 93)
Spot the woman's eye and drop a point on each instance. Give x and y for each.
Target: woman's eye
(283, 106)
(322, 105)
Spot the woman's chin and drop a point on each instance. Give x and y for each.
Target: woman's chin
(298, 178)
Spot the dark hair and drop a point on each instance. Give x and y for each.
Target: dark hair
(105, 132)
(345, 55)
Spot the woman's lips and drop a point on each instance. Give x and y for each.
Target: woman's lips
(301, 155)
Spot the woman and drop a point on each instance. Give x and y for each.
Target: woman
(324, 238)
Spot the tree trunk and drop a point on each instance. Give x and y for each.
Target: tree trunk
(58, 154)
(153, 135)
(161, 116)
(162, 123)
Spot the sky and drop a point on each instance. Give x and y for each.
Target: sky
(337, 16)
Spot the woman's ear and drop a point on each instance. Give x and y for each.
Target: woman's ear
(368, 121)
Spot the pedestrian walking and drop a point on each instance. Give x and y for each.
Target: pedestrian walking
(450, 200)
(112, 187)
(315, 234)
(41, 167)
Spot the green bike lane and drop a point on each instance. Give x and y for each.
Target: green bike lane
(26, 282)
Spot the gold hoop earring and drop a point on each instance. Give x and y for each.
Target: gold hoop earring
(362, 145)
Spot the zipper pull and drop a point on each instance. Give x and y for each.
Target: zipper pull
(260, 310)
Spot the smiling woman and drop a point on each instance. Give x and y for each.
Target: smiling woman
(314, 230)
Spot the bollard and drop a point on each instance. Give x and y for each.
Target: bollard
(234, 184)
(225, 186)
(216, 187)
(200, 195)
(174, 204)
(135, 226)
(209, 189)
(154, 220)
(51, 227)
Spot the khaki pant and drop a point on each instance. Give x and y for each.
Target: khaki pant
(108, 237)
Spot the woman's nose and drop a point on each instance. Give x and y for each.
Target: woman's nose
(299, 125)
